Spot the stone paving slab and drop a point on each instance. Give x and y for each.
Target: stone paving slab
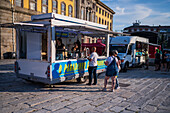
(142, 91)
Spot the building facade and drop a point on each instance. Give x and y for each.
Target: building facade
(155, 34)
(94, 11)
(21, 10)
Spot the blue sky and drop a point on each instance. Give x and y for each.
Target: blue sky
(148, 12)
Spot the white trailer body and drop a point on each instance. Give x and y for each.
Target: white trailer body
(128, 47)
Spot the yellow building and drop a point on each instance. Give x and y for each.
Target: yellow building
(104, 15)
(64, 7)
(91, 10)
(21, 10)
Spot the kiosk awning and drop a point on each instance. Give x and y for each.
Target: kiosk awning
(20, 24)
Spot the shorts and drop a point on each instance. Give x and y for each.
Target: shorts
(157, 61)
(164, 61)
(114, 74)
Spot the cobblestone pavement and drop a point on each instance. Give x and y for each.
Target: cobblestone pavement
(141, 91)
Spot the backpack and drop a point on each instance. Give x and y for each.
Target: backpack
(112, 68)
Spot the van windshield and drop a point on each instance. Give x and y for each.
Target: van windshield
(119, 48)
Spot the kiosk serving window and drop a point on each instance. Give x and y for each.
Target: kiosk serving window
(33, 46)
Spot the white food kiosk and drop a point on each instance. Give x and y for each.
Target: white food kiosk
(37, 53)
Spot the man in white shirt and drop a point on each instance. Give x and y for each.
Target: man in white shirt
(93, 66)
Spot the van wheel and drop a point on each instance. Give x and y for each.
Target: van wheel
(82, 79)
(125, 68)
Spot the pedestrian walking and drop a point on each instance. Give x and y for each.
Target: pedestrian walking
(119, 61)
(164, 61)
(146, 54)
(157, 60)
(111, 71)
(93, 66)
(168, 61)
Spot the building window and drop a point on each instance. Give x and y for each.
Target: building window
(96, 9)
(108, 15)
(102, 21)
(63, 8)
(92, 17)
(70, 11)
(94, 5)
(33, 5)
(110, 26)
(111, 17)
(99, 20)
(99, 10)
(105, 14)
(82, 1)
(82, 13)
(107, 25)
(96, 19)
(55, 6)
(102, 12)
(105, 22)
(45, 6)
(19, 3)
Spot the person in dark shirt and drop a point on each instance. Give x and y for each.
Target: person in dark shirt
(157, 60)
(60, 47)
(164, 61)
(75, 50)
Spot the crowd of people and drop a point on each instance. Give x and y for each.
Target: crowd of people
(162, 61)
(113, 66)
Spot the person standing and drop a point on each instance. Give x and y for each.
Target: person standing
(146, 59)
(93, 66)
(111, 71)
(157, 60)
(119, 61)
(60, 50)
(164, 61)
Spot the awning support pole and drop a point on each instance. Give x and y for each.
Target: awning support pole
(17, 43)
(53, 44)
(107, 44)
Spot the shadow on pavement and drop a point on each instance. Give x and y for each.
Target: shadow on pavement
(10, 83)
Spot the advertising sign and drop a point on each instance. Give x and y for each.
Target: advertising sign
(67, 68)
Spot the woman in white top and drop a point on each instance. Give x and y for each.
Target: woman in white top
(112, 70)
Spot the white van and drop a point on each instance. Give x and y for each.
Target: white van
(130, 50)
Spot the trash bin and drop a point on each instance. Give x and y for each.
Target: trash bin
(9, 55)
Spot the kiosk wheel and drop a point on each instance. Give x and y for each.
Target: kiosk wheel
(82, 79)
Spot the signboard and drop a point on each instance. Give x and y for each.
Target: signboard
(61, 34)
(68, 68)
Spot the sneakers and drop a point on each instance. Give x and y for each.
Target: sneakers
(117, 88)
(104, 89)
(112, 90)
(94, 84)
(88, 84)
